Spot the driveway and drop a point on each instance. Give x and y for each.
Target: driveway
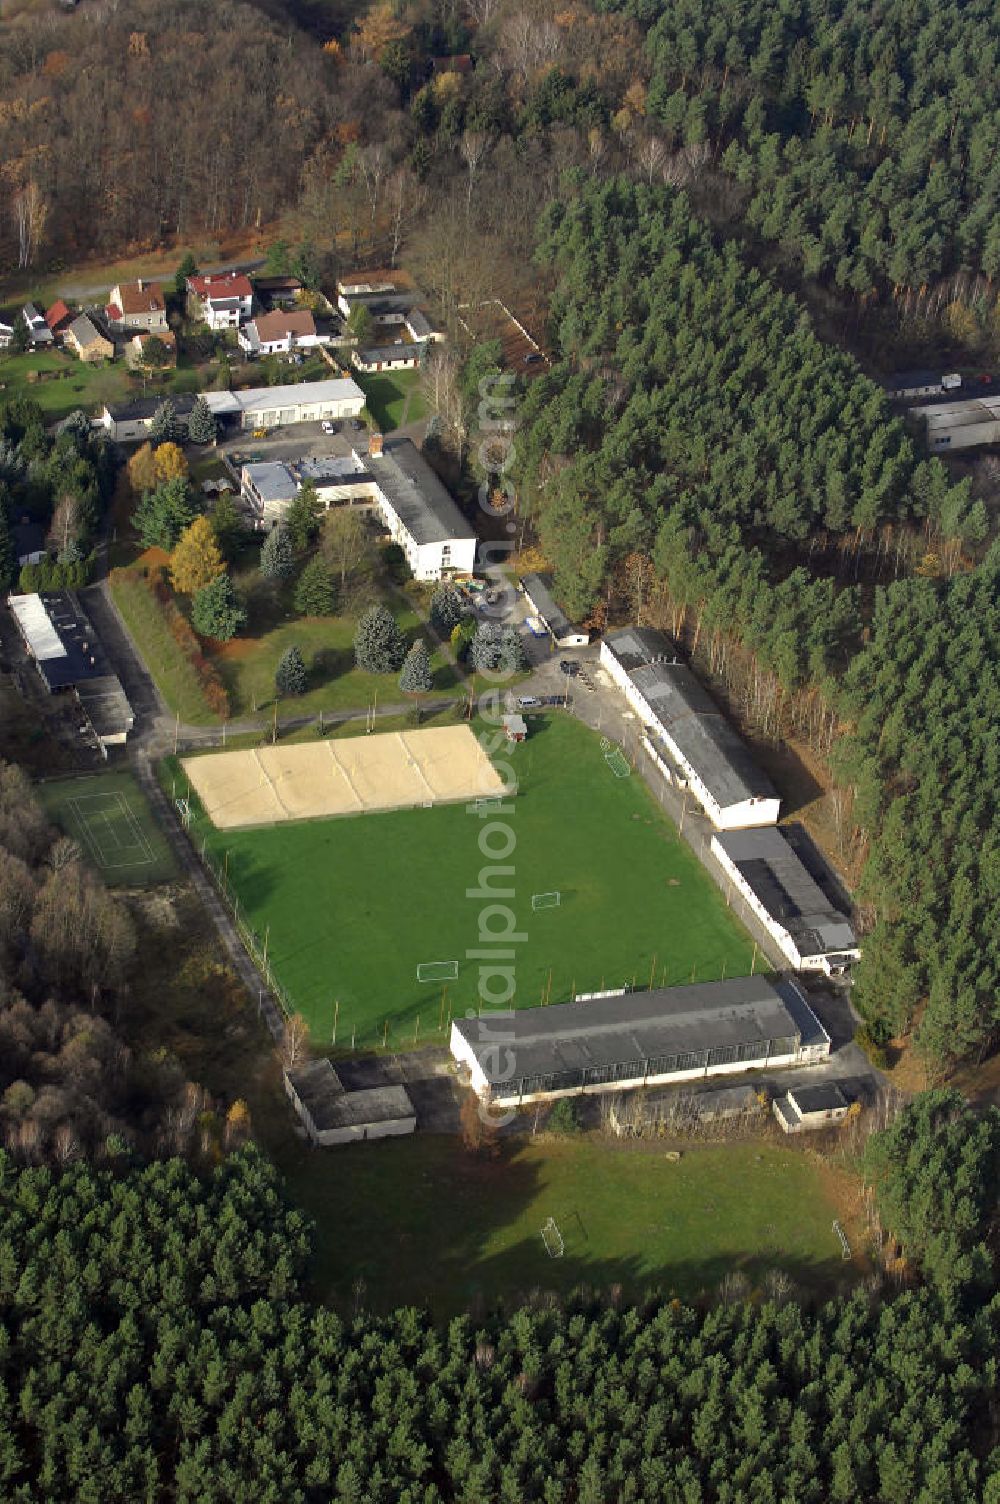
(303, 441)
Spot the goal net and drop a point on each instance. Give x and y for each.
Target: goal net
(184, 810)
(545, 900)
(553, 1239)
(437, 971)
(618, 762)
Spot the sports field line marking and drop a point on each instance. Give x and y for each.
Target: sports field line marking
(102, 853)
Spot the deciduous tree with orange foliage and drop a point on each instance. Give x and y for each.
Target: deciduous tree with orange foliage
(196, 561)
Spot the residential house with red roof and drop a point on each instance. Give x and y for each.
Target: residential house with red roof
(223, 300)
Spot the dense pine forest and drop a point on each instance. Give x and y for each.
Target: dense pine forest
(864, 136)
(698, 452)
(157, 1344)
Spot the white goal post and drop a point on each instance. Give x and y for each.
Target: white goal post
(553, 1239)
(184, 809)
(545, 900)
(437, 971)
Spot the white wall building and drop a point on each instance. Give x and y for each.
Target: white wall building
(961, 425)
(417, 511)
(282, 406)
(809, 931)
(222, 299)
(681, 717)
(278, 333)
(629, 1040)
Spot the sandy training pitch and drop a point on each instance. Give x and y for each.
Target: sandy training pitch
(310, 780)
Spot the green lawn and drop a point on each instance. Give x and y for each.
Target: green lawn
(353, 905)
(78, 385)
(247, 665)
(420, 1221)
(109, 815)
(393, 398)
(172, 671)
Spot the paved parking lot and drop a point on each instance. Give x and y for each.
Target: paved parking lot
(302, 441)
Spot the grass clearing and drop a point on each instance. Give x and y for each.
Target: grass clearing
(109, 815)
(393, 398)
(248, 663)
(70, 384)
(352, 906)
(420, 1221)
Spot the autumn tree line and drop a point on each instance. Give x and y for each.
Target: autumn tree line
(158, 1342)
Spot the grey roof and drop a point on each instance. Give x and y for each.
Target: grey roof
(319, 1089)
(825, 1097)
(145, 407)
(402, 351)
(272, 480)
(62, 640)
(632, 1026)
(419, 324)
(379, 304)
(536, 588)
(789, 893)
(330, 469)
(415, 493)
(84, 330)
(702, 734)
(634, 646)
(296, 394)
(106, 705)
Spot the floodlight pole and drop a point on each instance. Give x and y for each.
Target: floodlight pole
(416, 1029)
(753, 959)
(267, 936)
(336, 1014)
(177, 729)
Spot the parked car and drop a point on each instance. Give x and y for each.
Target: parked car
(327, 426)
(569, 668)
(528, 702)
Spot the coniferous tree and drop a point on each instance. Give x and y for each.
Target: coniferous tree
(277, 558)
(379, 644)
(291, 676)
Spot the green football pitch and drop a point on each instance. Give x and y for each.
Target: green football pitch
(355, 911)
(108, 814)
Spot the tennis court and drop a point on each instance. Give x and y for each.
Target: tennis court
(110, 817)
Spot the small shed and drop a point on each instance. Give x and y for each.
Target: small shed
(804, 1108)
(331, 1115)
(515, 728)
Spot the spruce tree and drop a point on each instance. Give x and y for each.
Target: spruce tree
(315, 592)
(216, 610)
(163, 429)
(417, 677)
(290, 677)
(202, 427)
(447, 609)
(379, 645)
(277, 560)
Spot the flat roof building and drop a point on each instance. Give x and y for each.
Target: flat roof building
(538, 594)
(636, 1039)
(64, 647)
(961, 424)
(810, 1107)
(331, 1115)
(280, 406)
(812, 934)
(681, 716)
(270, 486)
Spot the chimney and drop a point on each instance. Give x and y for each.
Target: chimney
(140, 284)
(374, 444)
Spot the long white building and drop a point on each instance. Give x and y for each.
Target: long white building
(256, 407)
(686, 729)
(628, 1040)
(811, 933)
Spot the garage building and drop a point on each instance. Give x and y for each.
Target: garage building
(64, 648)
(538, 594)
(331, 1115)
(626, 1040)
(961, 425)
(684, 722)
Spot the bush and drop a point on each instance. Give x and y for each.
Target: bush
(396, 565)
(564, 1117)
